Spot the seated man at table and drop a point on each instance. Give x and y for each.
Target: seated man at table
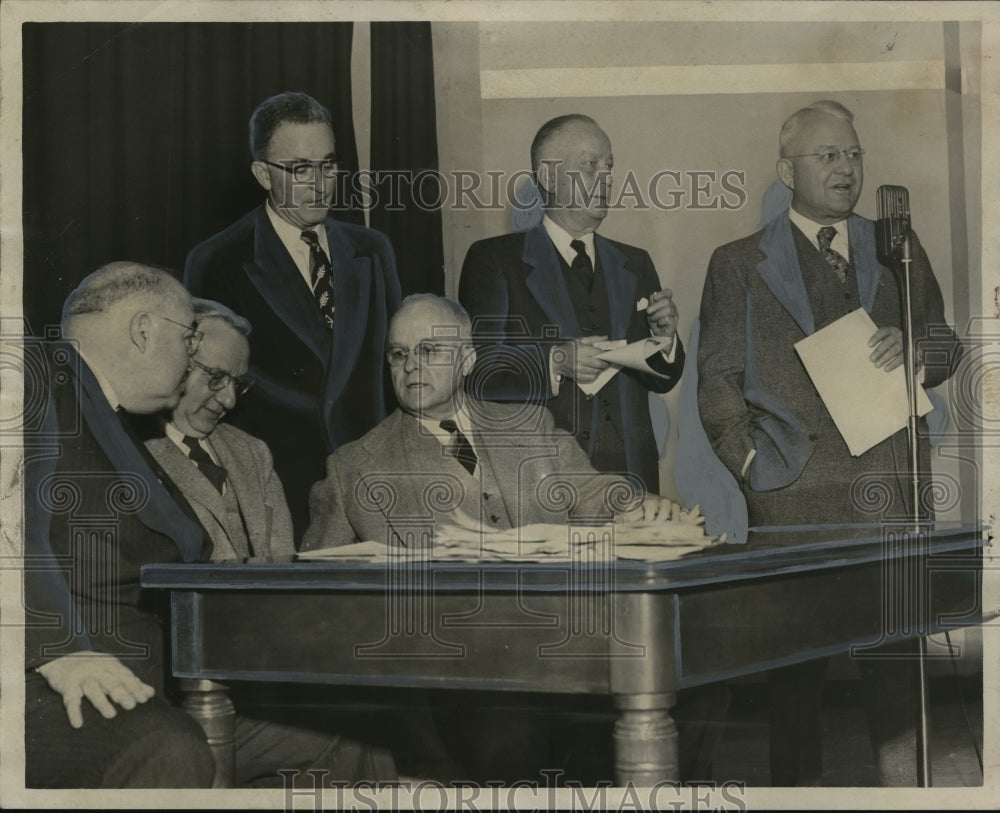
(97, 707)
(227, 475)
(448, 457)
(444, 456)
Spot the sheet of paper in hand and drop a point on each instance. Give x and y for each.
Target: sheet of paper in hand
(618, 353)
(866, 403)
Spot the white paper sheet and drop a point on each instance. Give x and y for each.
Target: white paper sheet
(618, 353)
(866, 403)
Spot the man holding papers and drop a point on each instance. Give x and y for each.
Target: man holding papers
(809, 267)
(543, 300)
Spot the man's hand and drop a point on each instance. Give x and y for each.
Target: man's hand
(577, 359)
(888, 344)
(661, 315)
(655, 508)
(100, 678)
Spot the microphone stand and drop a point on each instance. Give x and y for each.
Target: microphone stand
(909, 358)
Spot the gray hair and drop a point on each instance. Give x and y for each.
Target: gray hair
(115, 282)
(550, 130)
(291, 106)
(794, 123)
(454, 308)
(210, 309)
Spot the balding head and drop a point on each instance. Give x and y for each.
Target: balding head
(134, 324)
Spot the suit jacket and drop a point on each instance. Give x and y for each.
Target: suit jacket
(753, 391)
(513, 287)
(398, 477)
(95, 512)
(313, 391)
(257, 489)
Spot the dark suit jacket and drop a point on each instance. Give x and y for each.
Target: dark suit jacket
(311, 394)
(514, 289)
(255, 486)
(753, 391)
(95, 513)
(397, 476)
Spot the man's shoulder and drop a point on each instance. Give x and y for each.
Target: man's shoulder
(364, 239)
(237, 439)
(510, 419)
(741, 247)
(381, 439)
(234, 244)
(511, 243)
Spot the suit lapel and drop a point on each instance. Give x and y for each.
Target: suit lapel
(183, 471)
(621, 285)
(352, 280)
(246, 489)
(546, 282)
(866, 265)
(781, 272)
(284, 289)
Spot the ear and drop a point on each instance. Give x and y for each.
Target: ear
(139, 327)
(786, 172)
(469, 361)
(262, 174)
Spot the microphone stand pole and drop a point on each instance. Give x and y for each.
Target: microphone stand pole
(923, 738)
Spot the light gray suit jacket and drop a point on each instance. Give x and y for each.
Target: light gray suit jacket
(257, 488)
(398, 481)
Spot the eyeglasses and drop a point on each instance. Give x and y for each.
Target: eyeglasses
(425, 352)
(192, 335)
(218, 380)
(306, 170)
(830, 157)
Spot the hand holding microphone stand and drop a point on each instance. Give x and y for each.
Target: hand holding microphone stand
(892, 232)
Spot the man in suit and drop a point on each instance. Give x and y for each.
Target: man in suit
(491, 460)
(226, 474)
(98, 507)
(95, 513)
(542, 299)
(318, 292)
(444, 458)
(811, 265)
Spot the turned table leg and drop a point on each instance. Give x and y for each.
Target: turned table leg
(209, 704)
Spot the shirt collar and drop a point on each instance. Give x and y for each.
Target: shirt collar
(291, 236)
(175, 434)
(810, 228)
(561, 239)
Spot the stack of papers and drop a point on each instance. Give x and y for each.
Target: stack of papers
(641, 541)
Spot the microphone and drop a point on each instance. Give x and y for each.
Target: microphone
(892, 226)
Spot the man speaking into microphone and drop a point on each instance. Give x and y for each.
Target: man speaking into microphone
(808, 267)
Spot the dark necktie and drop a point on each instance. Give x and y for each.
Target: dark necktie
(321, 275)
(836, 261)
(460, 448)
(215, 473)
(582, 267)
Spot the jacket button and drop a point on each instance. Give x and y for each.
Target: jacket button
(494, 519)
(813, 437)
(585, 434)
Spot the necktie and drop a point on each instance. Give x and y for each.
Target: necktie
(321, 274)
(836, 261)
(582, 267)
(460, 447)
(215, 473)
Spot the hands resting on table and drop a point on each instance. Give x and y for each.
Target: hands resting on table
(101, 678)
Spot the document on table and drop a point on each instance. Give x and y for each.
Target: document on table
(866, 403)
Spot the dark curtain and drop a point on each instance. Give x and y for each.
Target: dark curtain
(404, 153)
(135, 137)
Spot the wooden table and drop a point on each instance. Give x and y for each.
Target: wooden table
(632, 630)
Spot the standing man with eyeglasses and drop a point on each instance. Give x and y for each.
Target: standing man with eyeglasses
(319, 293)
(808, 267)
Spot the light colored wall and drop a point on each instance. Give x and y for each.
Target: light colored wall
(706, 97)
